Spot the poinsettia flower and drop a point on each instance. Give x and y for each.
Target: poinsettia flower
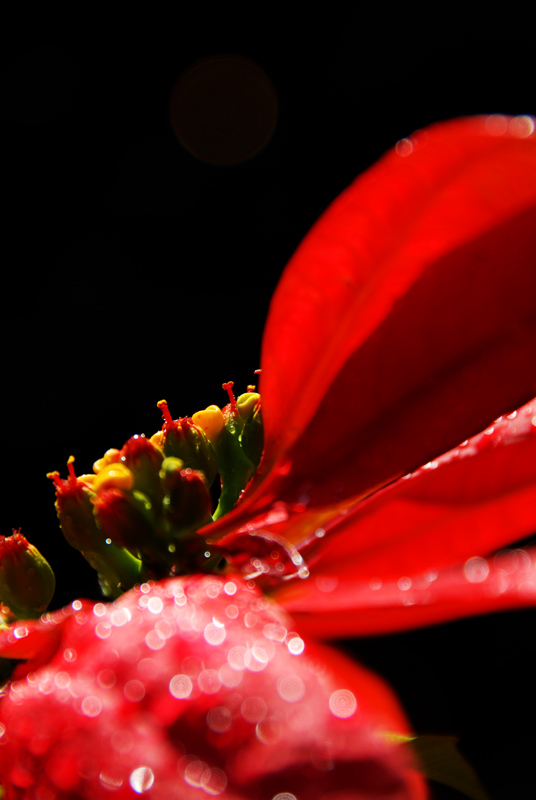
(401, 331)
(403, 328)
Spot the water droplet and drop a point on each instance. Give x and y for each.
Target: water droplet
(110, 780)
(375, 584)
(154, 640)
(120, 617)
(253, 709)
(180, 686)
(134, 691)
(209, 681)
(476, 570)
(214, 634)
(62, 680)
(219, 719)
(404, 584)
(106, 678)
(320, 533)
(91, 706)
(214, 781)
(284, 796)
(291, 688)
(155, 605)
(521, 126)
(108, 541)
(343, 704)
(296, 645)
(404, 147)
(141, 779)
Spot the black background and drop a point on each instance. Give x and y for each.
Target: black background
(134, 271)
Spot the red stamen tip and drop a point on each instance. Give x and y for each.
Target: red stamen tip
(228, 387)
(72, 476)
(163, 406)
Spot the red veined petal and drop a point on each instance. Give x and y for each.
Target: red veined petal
(468, 503)
(348, 607)
(471, 501)
(406, 320)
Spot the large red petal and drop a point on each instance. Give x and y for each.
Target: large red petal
(468, 503)
(406, 320)
(347, 607)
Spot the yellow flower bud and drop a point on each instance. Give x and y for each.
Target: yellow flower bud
(210, 421)
(113, 476)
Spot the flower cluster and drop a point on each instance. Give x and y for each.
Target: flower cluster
(398, 441)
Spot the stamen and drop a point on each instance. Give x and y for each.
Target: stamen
(228, 387)
(163, 406)
(251, 387)
(72, 476)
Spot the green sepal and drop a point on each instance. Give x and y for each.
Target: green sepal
(252, 436)
(441, 761)
(234, 466)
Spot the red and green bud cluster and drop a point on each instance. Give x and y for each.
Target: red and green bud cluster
(27, 581)
(136, 517)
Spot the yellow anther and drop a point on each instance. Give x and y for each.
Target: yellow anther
(246, 403)
(111, 456)
(113, 476)
(210, 420)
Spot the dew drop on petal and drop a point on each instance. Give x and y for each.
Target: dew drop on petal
(230, 588)
(134, 691)
(180, 686)
(219, 719)
(91, 706)
(214, 635)
(404, 584)
(404, 147)
(521, 126)
(476, 570)
(253, 709)
(284, 796)
(194, 771)
(296, 646)
(209, 681)
(106, 678)
(214, 781)
(291, 688)
(343, 704)
(155, 605)
(141, 779)
(110, 781)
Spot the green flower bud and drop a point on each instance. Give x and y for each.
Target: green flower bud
(252, 436)
(187, 503)
(118, 569)
(27, 582)
(182, 438)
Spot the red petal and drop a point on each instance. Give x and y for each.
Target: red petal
(197, 684)
(470, 502)
(406, 320)
(347, 607)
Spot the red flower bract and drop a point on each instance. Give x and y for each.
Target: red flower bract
(192, 686)
(402, 330)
